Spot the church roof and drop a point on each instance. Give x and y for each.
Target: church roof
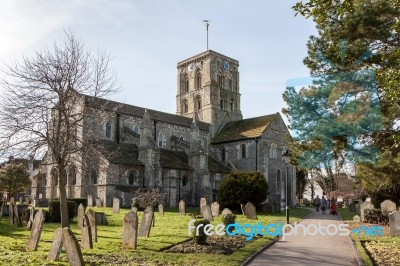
(243, 129)
(133, 110)
(174, 159)
(123, 153)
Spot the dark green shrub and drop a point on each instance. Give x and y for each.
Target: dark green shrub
(228, 219)
(202, 237)
(376, 216)
(242, 187)
(79, 201)
(46, 215)
(54, 210)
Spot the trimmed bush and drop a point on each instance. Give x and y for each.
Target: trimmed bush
(376, 216)
(202, 237)
(228, 219)
(54, 210)
(79, 201)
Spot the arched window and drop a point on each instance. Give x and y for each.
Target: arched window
(181, 137)
(222, 102)
(131, 178)
(108, 130)
(72, 175)
(44, 180)
(185, 106)
(198, 103)
(54, 177)
(278, 181)
(272, 151)
(198, 80)
(243, 150)
(186, 83)
(93, 176)
(161, 141)
(223, 154)
(220, 80)
(136, 129)
(232, 104)
(184, 181)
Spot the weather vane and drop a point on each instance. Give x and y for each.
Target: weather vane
(207, 24)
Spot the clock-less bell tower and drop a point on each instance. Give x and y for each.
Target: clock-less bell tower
(208, 85)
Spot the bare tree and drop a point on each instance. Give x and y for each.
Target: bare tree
(46, 107)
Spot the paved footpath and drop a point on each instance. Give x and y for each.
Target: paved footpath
(310, 250)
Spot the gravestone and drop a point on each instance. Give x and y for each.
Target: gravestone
(134, 209)
(203, 202)
(363, 207)
(182, 207)
(31, 216)
(147, 220)
(99, 203)
(352, 207)
(242, 208)
(89, 201)
(160, 209)
(116, 205)
(86, 233)
(250, 211)
(72, 249)
(206, 211)
(226, 211)
(388, 206)
(36, 231)
(92, 223)
(357, 219)
(17, 215)
(130, 230)
(215, 209)
(134, 204)
(101, 218)
(394, 223)
(81, 213)
(56, 246)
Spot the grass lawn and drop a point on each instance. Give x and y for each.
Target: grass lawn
(169, 230)
(383, 250)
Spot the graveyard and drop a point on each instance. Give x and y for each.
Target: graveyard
(168, 241)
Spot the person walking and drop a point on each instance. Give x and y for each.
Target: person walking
(324, 203)
(317, 202)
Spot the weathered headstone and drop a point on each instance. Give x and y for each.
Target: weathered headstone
(357, 219)
(206, 211)
(250, 211)
(160, 209)
(72, 249)
(226, 211)
(116, 205)
(363, 207)
(36, 231)
(89, 201)
(215, 209)
(242, 208)
(56, 246)
(394, 223)
(17, 215)
(130, 234)
(388, 206)
(99, 203)
(147, 220)
(134, 209)
(92, 223)
(80, 215)
(182, 207)
(203, 202)
(86, 233)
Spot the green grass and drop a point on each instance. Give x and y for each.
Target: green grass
(169, 230)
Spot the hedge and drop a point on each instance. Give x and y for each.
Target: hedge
(54, 210)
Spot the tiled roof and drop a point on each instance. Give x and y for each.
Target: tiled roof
(123, 153)
(243, 129)
(128, 109)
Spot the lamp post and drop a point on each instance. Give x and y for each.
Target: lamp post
(286, 158)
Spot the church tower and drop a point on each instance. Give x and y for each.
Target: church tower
(208, 85)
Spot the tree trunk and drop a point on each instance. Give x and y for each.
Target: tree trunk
(63, 199)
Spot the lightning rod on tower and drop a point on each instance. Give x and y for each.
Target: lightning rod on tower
(206, 21)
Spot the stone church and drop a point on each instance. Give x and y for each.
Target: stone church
(186, 154)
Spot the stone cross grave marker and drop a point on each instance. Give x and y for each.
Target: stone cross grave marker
(56, 246)
(92, 223)
(363, 207)
(394, 223)
(388, 206)
(86, 233)
(203, 202)
(182, 207)
(206, 211)
(250, 211)
(160, 209)
(226, 211)
(130, 234)
(146, 222)
(215, 209)
(72, 249)
(81, 213)
(36, 231)
(116, 205)
(89, 201)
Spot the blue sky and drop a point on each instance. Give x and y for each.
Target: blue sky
(146, 39)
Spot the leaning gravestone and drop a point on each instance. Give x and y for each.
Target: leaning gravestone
(206, 211)
(86, 233)
(357, 219)
(116, 205)
(182, 207)
(99, 203)
(31, 216)
(226, 211)
(250, 211)
(215, 209)
(146, 223)
(36, 231)
(81, 213)
(363, 207)
(203, 202)
(388, 206)
(160, 209)
(129, 237)
(72, 249)
(56, 246)
(89, 201)
(92, 223)
(394, 223)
